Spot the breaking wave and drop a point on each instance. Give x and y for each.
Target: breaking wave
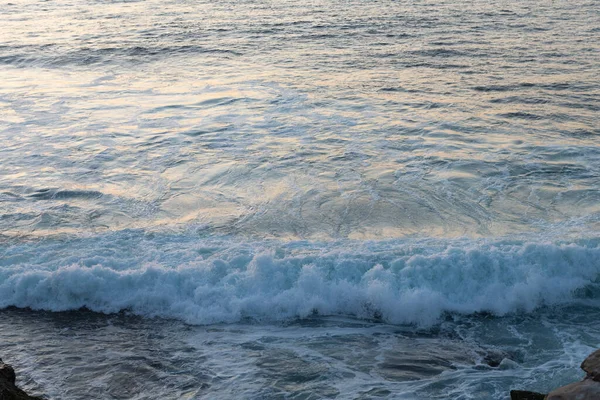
(202, 281)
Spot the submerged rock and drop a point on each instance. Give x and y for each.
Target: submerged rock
(8, 389)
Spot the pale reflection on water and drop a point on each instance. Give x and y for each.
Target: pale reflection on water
(299, 120)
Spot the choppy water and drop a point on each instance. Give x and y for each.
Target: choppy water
(308, 199)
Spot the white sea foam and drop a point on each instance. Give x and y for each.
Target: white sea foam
(202, 282)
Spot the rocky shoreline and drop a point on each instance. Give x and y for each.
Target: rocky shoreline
(8, 388)
(587, 389)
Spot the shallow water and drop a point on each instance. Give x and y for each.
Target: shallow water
(317, 199)
(95, 356)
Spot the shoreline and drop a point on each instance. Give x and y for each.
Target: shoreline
(8, 388)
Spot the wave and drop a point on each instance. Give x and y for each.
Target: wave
(203, 281)
(51, 55)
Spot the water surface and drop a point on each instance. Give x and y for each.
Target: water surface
(298, 199)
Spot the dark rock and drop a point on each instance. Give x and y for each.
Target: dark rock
(591, 365)
(525, 395)
(587, 389)
(494, 358)
(8, 390)
(7, 373)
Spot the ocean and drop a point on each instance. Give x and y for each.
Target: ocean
(256, 199)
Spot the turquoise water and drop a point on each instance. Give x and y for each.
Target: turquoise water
(324, 199)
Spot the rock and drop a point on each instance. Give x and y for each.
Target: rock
(525, 395)
(587, 389)
(507, 363)
(591, 365)
(7, 373)
(493, 358)
(8, 389)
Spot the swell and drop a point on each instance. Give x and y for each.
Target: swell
(202, 281)
(56, 56)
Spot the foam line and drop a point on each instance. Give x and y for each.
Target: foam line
(224, 281)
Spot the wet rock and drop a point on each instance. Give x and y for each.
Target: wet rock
(591, 365)
(507, 363)
(525, 395)
(8, 389)
(587, 389)
(494, 358)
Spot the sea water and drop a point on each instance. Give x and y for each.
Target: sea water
(255, 199)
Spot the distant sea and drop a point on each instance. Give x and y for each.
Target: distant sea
(314, 199)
